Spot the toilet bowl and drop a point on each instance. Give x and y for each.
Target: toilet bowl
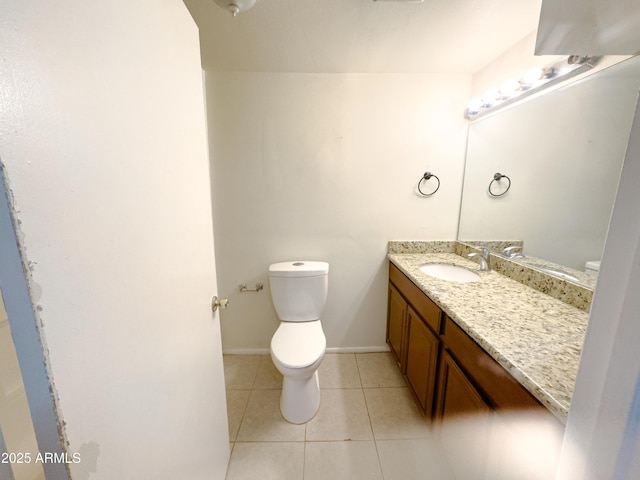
(297, 350)
(299, 291)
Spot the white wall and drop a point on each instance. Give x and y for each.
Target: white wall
(324, 166)
(103, 139)
(512, 64)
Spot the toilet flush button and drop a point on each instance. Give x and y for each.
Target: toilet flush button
(298, 264)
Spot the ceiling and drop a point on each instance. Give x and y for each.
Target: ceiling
(361, 36)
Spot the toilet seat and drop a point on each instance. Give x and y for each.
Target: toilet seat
(298, 344)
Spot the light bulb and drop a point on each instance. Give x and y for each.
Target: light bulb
(474, 106)
(509, 89)
(490, 98)
(533, 75)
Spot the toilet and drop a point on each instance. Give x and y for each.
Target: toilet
(299, 293)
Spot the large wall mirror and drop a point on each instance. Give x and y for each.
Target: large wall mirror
(563, 152)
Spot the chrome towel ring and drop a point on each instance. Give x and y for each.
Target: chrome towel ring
(496, 178)
(426, 177)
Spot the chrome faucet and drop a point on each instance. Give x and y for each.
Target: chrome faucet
(484, 265)
(510, 252)
(483, 258)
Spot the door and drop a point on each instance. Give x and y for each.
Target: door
(103, 143)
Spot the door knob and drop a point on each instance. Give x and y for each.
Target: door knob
(219, 302)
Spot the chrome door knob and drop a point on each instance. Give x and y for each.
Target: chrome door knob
(219, 302)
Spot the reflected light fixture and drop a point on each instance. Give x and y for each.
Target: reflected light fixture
(235, 6)
(533, 81)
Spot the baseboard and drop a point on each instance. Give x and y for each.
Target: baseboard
(378, 349)
(245, 351)
(265, 351)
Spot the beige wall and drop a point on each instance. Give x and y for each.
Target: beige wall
(324, 167)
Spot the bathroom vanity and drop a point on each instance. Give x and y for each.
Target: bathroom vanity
(494, 344)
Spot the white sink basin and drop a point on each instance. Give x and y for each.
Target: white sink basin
(451, 273)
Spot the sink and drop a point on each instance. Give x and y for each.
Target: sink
(451, 273)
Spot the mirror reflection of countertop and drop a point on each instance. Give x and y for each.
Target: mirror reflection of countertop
(535, 337)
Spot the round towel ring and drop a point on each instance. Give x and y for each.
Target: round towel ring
(425, 177)
(496, 178)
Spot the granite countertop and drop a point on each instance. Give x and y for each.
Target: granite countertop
(535, 337)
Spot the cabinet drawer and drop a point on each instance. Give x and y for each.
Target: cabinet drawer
(428, 310)
(497, 385)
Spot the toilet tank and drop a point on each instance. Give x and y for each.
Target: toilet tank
(299, 289)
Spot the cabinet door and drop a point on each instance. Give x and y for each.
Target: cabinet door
(422, 358)
(464, 423)
(396, 325)
(457, 395)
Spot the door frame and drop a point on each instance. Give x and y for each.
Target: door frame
(23, 321)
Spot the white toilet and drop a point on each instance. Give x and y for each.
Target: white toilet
(299, 293)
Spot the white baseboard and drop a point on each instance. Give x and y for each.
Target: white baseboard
(245, 351)
(265, 351)
(377, 349)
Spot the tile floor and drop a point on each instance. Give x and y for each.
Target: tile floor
(368, 426)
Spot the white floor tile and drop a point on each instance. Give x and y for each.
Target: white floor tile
(341, 461)
(415, 459)
(267, 461)
(358, 433)
(240, 370)
(394, 414)
(263, 421)
(268, 376)
(379, 370)
(339, 370)
(236, 405)
(342, 416)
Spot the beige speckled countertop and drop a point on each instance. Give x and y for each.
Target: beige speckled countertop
(536, 337)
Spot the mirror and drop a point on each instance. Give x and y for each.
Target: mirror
(563, 153)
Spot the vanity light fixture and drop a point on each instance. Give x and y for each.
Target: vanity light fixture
(533, 81)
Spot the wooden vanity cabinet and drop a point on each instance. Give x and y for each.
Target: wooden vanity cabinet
(457, 394)
(488, 382)
(413, 323)
(446, 370)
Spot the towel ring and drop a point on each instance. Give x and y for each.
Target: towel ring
(425, 177)
(496, 178)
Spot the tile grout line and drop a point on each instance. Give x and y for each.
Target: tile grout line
(361, 387)
(373, 433)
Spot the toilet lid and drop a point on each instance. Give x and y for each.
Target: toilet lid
(298, 344)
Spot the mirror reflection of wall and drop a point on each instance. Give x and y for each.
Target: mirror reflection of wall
(563, 152)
